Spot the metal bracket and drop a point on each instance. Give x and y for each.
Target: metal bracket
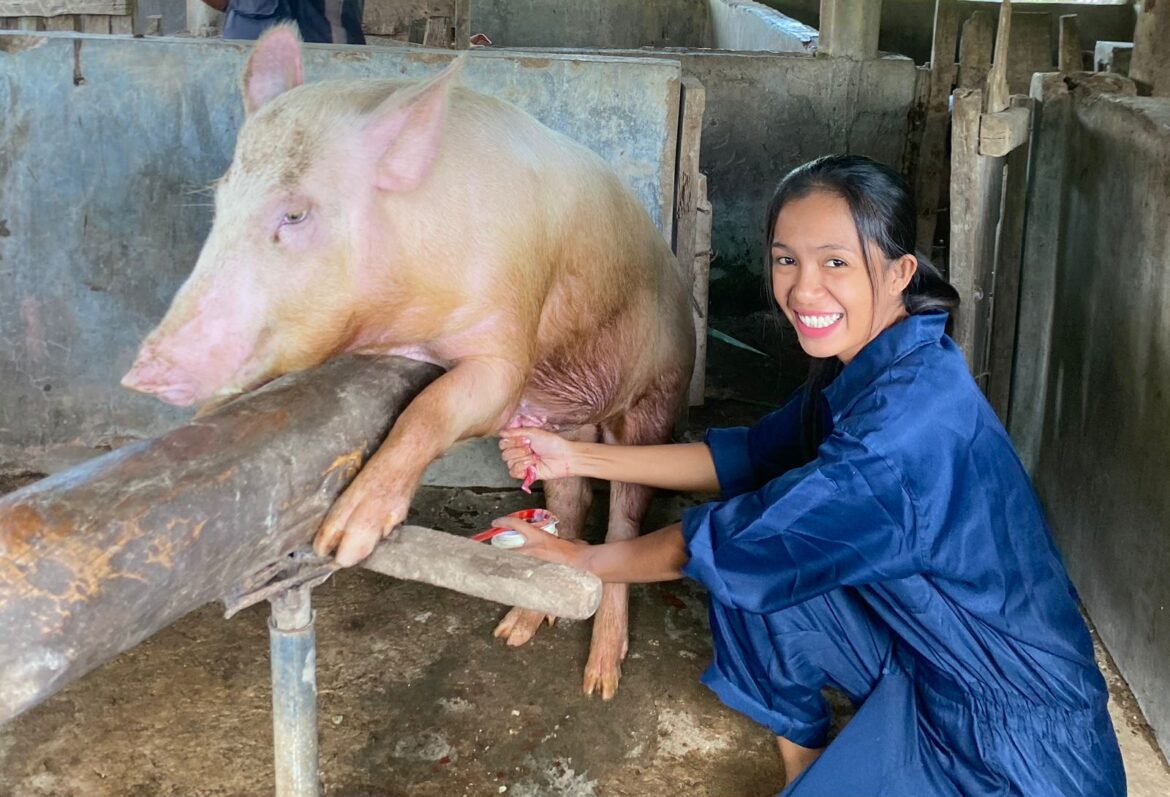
(299, 569)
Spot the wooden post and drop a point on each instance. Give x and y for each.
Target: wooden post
(96, 559)
(1005, 299)
(702, 279)
(996, 96)
(932, 163)
(975, 46)
(1150, 68)
(1070, 58)
(976, 187)
(849, 28)
(462, 19)
(686, 213)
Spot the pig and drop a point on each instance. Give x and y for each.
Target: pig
(427, 220)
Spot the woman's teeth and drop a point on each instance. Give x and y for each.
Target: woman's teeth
(819, 321)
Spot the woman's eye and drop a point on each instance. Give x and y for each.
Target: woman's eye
(783, 261)
(835, 263)
(296, 217)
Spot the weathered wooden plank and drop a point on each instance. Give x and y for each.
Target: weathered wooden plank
(95, 23)
(30, 24)
(932, 160)
(462, 23)
(1000, 133)
(153, 25)
(65, 22)
(483, 571)
(95, 559)
(1150, 65)
(849, 28)
(1032, 48)
(1009, 255)
(975, 48)
(1070, 58)
(691, 107)
(122, 26)
(52, 8)
(437, 32)
(702, 272)
(976, 186)
(996, 94)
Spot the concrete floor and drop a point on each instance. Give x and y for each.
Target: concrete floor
(417, 698)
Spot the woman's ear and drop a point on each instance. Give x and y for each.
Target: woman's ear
(899, 274)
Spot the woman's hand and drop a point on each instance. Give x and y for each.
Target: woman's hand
(550, 456)
(549, 547)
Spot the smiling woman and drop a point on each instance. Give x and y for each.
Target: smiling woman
(877, 534)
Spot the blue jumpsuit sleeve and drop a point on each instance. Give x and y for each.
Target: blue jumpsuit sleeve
(843, 519)
(747, 458)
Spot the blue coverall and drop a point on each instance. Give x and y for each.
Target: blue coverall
(908, 564)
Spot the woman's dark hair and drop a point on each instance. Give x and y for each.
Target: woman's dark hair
(885, 214)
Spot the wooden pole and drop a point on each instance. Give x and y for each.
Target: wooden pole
(849, 28)
(932, 164)
(1069, 57)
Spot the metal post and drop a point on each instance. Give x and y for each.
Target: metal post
(293, 646)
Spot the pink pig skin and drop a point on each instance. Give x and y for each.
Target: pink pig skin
(432, 221)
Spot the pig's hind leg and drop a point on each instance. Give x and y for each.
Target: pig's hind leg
(569, 500)
(647, 423)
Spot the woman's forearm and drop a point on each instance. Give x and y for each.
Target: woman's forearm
(686, 467)
(657, 556)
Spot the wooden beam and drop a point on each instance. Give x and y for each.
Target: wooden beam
(64, 22)
(52, 8)
(473, 568)
(96, 559)
(975, 48)
(932, 160)
(849, 28)
(1000, 133)
(1070, 57)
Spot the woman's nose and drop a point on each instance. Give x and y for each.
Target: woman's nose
(808, 281)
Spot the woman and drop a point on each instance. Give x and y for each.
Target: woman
(877, 533)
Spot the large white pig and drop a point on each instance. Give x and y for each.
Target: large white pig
(428, 220)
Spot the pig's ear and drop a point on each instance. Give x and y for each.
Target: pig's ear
(273, 68)
(407, 130)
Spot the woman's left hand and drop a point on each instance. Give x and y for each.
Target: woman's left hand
(549, 547)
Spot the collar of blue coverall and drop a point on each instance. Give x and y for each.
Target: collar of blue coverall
(891, 345)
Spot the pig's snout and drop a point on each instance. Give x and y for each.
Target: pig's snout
(154, 375)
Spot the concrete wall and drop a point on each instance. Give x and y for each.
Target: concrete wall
(106, 144)
(1092, 394)
(766, 114)
(908, 25)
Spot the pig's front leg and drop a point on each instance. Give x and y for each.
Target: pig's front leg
(469, 400)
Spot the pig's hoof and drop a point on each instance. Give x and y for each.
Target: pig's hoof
(602, 673)
(520, 625)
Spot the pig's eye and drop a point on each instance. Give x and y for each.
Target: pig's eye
(296, 217)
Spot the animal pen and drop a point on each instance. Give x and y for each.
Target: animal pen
(133, 518)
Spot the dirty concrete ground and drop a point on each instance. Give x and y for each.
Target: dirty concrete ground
(417, 698)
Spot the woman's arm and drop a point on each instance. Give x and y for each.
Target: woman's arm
(686, 467)
(657, 556)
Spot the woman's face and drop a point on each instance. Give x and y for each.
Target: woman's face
(820, 280)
